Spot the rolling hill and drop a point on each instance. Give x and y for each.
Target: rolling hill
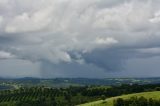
(109, 101)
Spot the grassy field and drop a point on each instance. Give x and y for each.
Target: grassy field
(109, 101)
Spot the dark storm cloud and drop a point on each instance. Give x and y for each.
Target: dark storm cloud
(70, 70)
(109, 60)
(78, 36)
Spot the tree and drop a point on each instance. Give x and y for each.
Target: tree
(103, 97)
(119, 102)
(157, 88)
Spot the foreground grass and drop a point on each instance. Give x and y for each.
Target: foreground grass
(109, 101)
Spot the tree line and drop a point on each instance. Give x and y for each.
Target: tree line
(71, 96)
(135, 101)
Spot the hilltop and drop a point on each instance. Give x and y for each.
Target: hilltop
(109, 101)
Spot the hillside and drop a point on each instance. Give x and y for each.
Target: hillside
(109, 102)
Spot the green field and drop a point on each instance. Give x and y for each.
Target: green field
(109, 101)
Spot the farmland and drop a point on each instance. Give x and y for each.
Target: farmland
(76, 91)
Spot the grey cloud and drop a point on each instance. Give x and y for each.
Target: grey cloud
(71, 70)
(79, 33)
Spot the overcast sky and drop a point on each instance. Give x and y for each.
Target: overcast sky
(79, 38)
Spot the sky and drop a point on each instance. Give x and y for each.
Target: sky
(79, 38)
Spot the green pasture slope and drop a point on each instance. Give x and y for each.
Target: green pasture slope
(109, 101)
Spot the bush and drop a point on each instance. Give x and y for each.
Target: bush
(134, 101)
(157, 88)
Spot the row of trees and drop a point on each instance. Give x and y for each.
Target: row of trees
(119, 90)
(44, 96)
(135, 101)
(70, 96)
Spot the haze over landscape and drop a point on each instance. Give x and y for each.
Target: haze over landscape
(79, 38)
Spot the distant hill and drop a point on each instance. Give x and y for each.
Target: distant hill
(109, 101)
(65, 82)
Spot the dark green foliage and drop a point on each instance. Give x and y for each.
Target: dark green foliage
(134, 101)
(119, 90)
(103, 97)
(44, 96)
(119, 102)
(157, 88)
(71, 96)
